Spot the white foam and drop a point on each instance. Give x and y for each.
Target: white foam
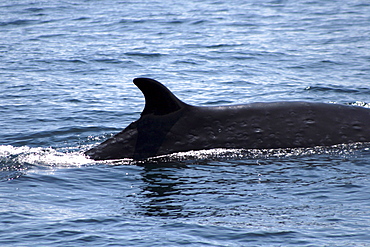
(43, 156)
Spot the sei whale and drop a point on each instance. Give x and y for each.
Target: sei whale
(168, 125)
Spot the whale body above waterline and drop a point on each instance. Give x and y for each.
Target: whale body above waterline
(168, 125)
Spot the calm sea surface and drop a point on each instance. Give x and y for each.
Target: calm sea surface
(66, 70)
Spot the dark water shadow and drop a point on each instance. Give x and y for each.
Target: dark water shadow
(162, 189)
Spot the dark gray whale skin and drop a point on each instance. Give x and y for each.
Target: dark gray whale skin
(168, 125)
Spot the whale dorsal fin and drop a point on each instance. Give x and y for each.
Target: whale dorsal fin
(159, 100)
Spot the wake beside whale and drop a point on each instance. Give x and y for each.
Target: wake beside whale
(168, 125)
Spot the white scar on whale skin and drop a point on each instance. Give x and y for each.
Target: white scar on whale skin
(168, 125)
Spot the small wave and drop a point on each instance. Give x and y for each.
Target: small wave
(144, 54)
(108, 60)
(47, 36)
(337, 89)
(131, 21)
(33, 9)
(18, 23)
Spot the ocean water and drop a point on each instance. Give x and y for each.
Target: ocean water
(66, 70)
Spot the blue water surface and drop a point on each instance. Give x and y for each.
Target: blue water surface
(66, 70)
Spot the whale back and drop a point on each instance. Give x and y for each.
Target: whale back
(168, 125)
